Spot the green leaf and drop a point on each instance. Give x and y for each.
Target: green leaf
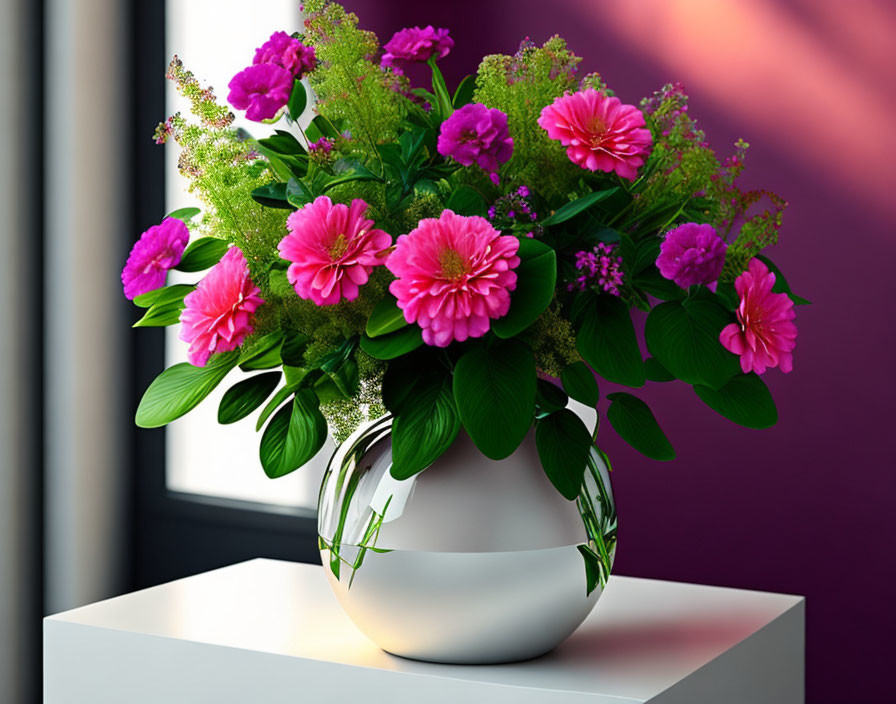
(684, 338)
(466, 201)
(606, 340)
(273, 196)
(202, 254)
(536, 278)
(570, 210)
(635, 423)
(426, 423)
(394, 344)
(179, 389)
(161, 315)
(653, 283)
(656, 371)
(592, 568)
(244, 397)
(161, 296)
(293, 436)
(293, 350)
(563, 444)
(745, 400)
(297, 193)
(275, 403)
(282, 143)
(386, 317)
(781, 285)
(494, 388)
(549, 397)
(440, 90)
(579, 382)
(264, 353)
(464, 92)
(184, 214)
(297, 101)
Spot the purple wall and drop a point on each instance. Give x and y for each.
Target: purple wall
(804, 507)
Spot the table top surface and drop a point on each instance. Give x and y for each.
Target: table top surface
(642, 637)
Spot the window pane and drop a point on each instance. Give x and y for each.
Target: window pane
(215, 39)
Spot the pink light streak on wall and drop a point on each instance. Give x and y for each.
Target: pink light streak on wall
(793, 85)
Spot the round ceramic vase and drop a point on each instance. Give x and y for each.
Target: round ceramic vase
(471, 561)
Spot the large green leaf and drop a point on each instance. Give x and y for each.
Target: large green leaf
(386, 317)
(653, 283)
(494, 388)
(745, 399)
(466, 201)
(161, 315)
(549, 398)
(161, 296)
(656, 371)
(464, 92)
(202, 254)
(570, 210)
(536, 277)
(393, 345)
(273, 196)
(245, 396)
(297, 101)
(606, 340)
(635, 423)
(426, 422)
(184, 214)
(684, 338)
(179, 389)
(579, 382)
(294, 435)
(563, 444)
(263, 353)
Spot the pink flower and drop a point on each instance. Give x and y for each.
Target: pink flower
(263, 89)
(219, 313)
(601, 133)
(476, 133)
(692, 254)
(158, 250)
(415, 44)
(286, 52)
(764, 335)
(333, 249)
(454, 275)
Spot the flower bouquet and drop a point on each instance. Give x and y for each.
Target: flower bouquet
(459, 262)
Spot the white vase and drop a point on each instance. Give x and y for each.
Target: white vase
(470, 561)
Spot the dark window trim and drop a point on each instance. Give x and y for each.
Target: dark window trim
(176, 534)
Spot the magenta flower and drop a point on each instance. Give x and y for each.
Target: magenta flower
(600, 268)
(261, 90)
(219, 312)
(764, 335)
(600, 133)
(454, 275)
(286, 52)
(158, 250)
(415, 44)
(333, 249)
(476, 133)
(692, 254)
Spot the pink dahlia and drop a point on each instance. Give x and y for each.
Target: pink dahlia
(333, 249)
(415, 44)
(764, 335)
(158, 250)
(692, 254)
(286, 52)
(476, 133)
(219, 313)
(454, 275)
(600, 132)
(261, 90)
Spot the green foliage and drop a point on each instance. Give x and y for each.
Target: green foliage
(606, 340)
(295, 434)
(636, 424)
(553, 341)
(563, 444)
(245, 396)
(521, 86)
(536, 278)
(578, 381)
(745, 399)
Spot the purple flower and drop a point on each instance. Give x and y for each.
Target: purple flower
(692, 254)
(262, 88)
(476, 134)
(415, 44)
(158, 250)
(600, 268)
(286, 52)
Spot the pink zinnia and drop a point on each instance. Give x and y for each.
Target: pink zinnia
(454, 275)
(333, 249)
(287, 52)
(476, 133)
(692, 254)
(764, 335)
(158, 250)
(600, 132)
(418, 45)
(219, 313)
(260, 90)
